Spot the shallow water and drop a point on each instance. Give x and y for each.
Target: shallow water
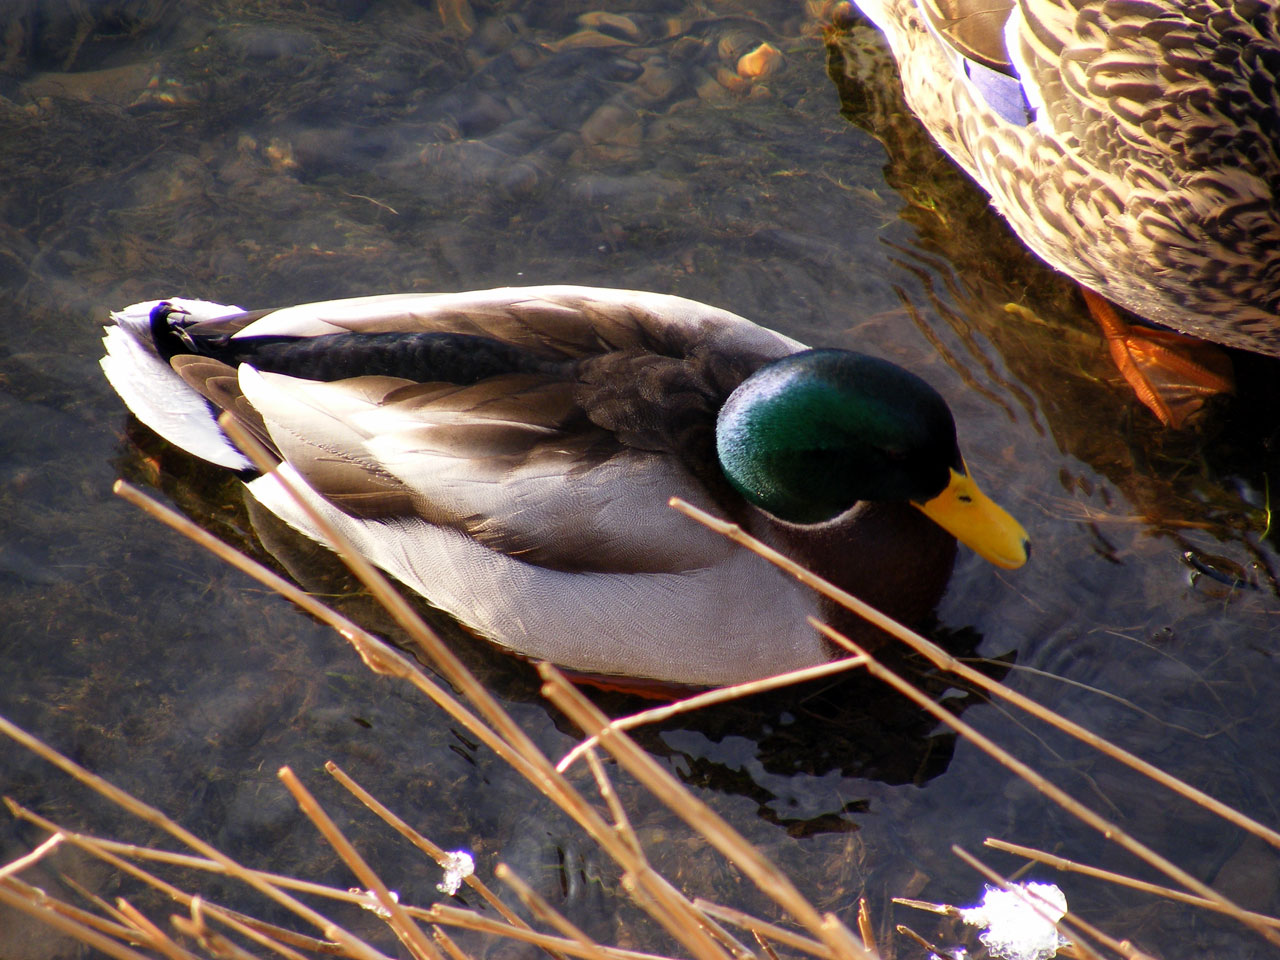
(271, 153)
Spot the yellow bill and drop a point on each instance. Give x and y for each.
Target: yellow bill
(978, 522)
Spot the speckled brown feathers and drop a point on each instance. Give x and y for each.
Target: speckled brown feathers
(1151, 168)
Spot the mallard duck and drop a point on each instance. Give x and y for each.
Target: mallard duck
(509, 454)
(1134, 145)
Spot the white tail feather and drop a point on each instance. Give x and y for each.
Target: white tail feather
(155, 393)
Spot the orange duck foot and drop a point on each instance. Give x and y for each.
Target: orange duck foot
(1172, 374)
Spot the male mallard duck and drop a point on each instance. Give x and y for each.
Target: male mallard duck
(509, 454)
(1132, 144)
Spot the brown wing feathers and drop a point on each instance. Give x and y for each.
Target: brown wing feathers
(217, 383)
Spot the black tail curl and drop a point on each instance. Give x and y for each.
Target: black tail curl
(457, 358)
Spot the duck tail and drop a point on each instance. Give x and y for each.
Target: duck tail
(140, 342)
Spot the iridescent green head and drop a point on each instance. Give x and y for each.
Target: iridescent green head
(808, 436)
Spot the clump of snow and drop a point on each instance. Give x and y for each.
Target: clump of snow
(369, 900)
(1020, 921)
(457, 867)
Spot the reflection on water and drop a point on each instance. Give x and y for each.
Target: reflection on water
(267, 153)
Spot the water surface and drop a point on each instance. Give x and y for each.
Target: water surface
(272, 153)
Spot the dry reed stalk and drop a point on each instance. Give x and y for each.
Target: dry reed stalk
(436, 852)
(266, 934)
(151, 815)
(152, 935)
(943, 660)
(32, 904)
(828, 924)
(90, 897)
(443, 913)
(1047, 787)
(904, 931)
(72, 912)
(114, 852)
(766, 947)
(1080, 946)
(14, 867)
(762, 928)
(667, 905)
(697, 814)
(408, 932)
(447, 945)
(621, 822)
(1072, 866)
(278, 939)
(539, 907)
(444, 659)
(676, 918)
(377, 654)
(217, 944)
(865, 928)
(710, 697)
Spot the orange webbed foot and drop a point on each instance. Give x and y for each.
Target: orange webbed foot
(1172, 374)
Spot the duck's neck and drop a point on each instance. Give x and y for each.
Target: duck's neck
(887, 553)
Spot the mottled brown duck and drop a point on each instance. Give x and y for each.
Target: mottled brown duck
(1132, 144)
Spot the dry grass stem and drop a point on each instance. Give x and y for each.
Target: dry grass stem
(539, 907)
(470, 920)
(33, 903)
(866, 930)
(409, 933)
(667, 906)
(448, 946)
(694, 812)
(377, 654)
(904, 931)
(1048, 788)
(692, 923)
(15, 867)
(72, 912)
(762, 928)
(151, 815)
(107, 909)
(217, 944)
(765, 946)
(944, 909)
(1041, 908)
(444, 659)
(267, 934)
(943, 660)
(437, 853)
(152, 935)
(621, 822)
(107, 851)
(1071, 866)
(710, 697)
